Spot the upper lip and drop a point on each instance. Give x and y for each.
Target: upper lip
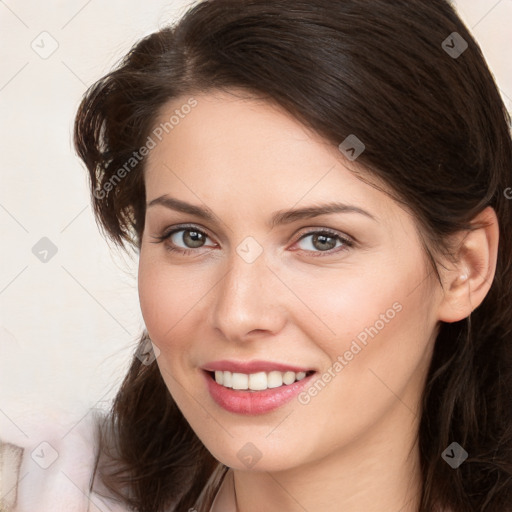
(252, 366)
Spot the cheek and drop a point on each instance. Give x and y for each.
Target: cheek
(169, 295)
(160, 304)
(343, 303)
(379, 353)
(376, 316)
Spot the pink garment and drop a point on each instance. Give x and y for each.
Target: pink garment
(47, 466)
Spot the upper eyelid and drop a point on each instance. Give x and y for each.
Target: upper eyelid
(176, 229)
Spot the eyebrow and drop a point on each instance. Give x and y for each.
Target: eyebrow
(278, 218)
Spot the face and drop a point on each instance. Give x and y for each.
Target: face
(347, 295)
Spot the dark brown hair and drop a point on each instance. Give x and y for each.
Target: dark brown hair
(435, 131)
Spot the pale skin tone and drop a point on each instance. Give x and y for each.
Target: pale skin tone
(353, 446)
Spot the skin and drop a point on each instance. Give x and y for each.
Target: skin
(353, 446)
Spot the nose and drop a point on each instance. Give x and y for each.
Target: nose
(248, 301)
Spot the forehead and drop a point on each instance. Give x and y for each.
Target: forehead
(250, 153)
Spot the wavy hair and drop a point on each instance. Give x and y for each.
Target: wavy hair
(436, 132)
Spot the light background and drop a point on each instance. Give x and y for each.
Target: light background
(68, 327)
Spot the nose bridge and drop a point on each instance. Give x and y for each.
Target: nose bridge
(246, 298)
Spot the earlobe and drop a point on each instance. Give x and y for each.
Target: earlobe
(468, 282)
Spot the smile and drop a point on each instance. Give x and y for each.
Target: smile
(255, 393)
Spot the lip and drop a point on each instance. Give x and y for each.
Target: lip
(252, 367)
(254, 402)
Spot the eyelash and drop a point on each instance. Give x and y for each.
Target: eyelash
(347, 243)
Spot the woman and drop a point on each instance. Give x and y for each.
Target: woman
(317, 191)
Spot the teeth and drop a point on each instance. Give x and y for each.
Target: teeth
(257, 381)
(240, 381)
(274, 379)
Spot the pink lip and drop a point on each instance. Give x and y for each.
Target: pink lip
(254, 402)
(252, 367)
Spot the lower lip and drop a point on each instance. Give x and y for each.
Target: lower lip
(254, 402)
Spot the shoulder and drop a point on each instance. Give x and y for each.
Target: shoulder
(47, 463)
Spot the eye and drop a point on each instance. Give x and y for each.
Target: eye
(190, 237)
(325, 241)
(187, 239)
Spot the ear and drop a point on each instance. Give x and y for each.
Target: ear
(466, 285)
